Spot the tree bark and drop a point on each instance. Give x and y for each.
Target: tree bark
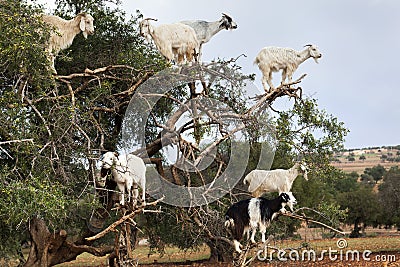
(219, 252)
(49, 248)
(356, 231)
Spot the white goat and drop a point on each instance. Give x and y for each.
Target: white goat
(279, 180)
(65, 32)
(272, 59)
(205, 30)
(127, 170)
(174, 41)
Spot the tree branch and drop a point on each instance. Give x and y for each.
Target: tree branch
(281, 90)
(304, 218)
(122, 219)
(16, 141)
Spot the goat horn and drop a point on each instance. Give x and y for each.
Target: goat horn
(308, 45)
(227, 17)
(150, 19)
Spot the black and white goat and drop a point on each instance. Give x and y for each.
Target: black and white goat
(249, 214)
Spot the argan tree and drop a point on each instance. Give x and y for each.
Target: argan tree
(114, 92)
(54, 126)
(389, 197)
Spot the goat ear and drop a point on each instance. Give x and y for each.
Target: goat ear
(82, 24)
(116, 154)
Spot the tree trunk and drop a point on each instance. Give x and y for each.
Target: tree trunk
(49, 248)
(45, 245)
(220, 252)
(356, 231)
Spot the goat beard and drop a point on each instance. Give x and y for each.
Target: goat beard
(316, 60)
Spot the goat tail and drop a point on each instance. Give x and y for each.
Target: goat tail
(256, 61)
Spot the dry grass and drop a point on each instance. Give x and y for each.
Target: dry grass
(371, 159)
(141, 253)
(381, 244)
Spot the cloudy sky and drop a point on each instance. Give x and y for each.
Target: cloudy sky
(356, 79)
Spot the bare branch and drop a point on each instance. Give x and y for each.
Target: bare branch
(282, 90)
(304, 218)
(40, 115)
(16, 141)
(132, 89)
(216, 143)
(123, 219)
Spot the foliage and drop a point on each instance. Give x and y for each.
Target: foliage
(375, 172)
(348, 183)
(21, 46)
(53, 128)
(389, 196)
(362, 205)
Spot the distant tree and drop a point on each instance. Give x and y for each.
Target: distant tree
(384, 157)
(376, 172)
(362, 157)
(351, 158)
(353, 175)
(389, 196)
(367, 179)
(362, 205)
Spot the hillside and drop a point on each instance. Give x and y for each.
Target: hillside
(356, 160)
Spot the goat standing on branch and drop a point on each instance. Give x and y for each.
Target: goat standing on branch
(174, 41)
(65, 32)
(205, 30)
(279, 180)
(273, 59)
(251, 213)
(128, 171)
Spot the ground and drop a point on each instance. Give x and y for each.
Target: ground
(326, 262)
(376, 259)
(385, 247)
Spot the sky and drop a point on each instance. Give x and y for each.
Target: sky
(356, 78)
